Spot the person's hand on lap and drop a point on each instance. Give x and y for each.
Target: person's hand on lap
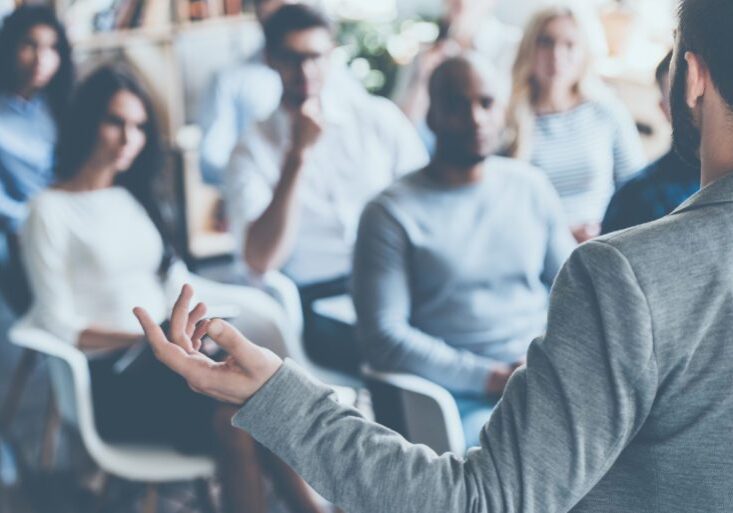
(245, 370)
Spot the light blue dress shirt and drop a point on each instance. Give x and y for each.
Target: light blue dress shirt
(246, 94)
(237, 98)
(27, 141)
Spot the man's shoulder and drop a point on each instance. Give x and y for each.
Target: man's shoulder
(647, 179)
(642, 189)
(669, 240)
(266, 131)
(406, 186)
(400, 194)
(371, 107)
(520, 172)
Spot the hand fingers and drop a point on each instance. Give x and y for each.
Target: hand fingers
(233, 342)
(179, 319)
(168, 353)
(202, 374)
(198, 333)
(198, 313)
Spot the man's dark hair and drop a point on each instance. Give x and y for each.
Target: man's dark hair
(662, 70)
(14, 29)
(705, 29)
(291, 18)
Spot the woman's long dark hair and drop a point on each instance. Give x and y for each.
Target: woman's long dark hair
(79, 136)
(14, 29)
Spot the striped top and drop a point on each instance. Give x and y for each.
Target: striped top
(587, 152)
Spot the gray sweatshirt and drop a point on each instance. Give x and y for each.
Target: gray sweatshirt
(448, 281)
(625, 404)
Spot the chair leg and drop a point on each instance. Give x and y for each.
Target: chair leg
(204, 497)
(50, 435)
(101, 501)
(150, 502)
(17, 385)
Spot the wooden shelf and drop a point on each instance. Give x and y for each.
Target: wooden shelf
(155, 35)
(126, 37)
(218, 22)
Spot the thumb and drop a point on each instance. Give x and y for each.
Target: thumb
(311, 108)
(232, 341)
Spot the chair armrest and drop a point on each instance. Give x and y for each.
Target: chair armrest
(285, 292)
(24, 334)
(420, 390)
(338, 308)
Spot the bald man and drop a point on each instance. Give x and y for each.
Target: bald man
(453, 263)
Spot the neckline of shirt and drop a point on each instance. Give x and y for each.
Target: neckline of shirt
(467, 188)
(115, 189)
(22, 105)
(566, 113)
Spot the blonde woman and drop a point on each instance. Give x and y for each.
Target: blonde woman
(565, 121)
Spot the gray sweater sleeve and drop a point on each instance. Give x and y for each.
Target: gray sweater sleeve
(381, 294)
(586, 391)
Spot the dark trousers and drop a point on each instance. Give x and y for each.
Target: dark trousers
(148, 403)
(13, 281)
(329, 342)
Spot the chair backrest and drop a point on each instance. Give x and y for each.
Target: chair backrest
(421, 411)
(285, 292)
(70, 379)
(14, 285)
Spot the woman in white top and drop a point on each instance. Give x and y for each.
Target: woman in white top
(95, 245)
(565, 121)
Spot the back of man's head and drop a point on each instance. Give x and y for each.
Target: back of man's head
(661, 74)
(706, 29)
(291, 18)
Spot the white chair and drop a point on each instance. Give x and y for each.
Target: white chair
(285, 292)
(267, 319)
(420, 410)
(71, 385)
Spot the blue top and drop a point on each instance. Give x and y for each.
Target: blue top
(653, 193)
(450, 281)
(237, 98)
(27, 143)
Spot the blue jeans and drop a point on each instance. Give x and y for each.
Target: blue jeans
(475, 413)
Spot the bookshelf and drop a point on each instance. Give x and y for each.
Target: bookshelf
(176, 46)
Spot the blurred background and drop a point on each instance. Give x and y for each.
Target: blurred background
(179, 45)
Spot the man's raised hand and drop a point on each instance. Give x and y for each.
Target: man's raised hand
(236, 379)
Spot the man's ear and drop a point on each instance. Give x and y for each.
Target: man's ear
(697, 78)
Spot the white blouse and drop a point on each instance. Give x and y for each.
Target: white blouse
(91, 257)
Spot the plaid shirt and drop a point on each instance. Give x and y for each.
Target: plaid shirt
(652, 193)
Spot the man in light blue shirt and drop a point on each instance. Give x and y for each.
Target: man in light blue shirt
(453, 263)
(246, 94)
(298, 181)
